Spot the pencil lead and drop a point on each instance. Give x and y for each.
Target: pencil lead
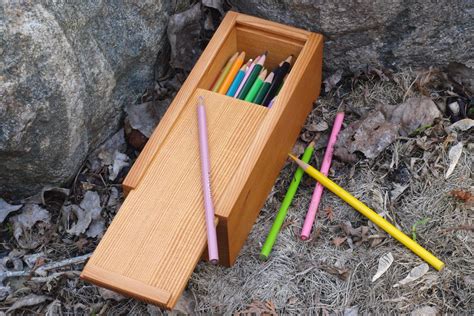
(201, 100)
(265, 53)
(311, 144)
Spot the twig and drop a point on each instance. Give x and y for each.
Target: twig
(43, 269)
(462, 227)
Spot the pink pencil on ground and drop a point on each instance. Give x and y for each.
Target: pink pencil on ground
(206, 183)
(318, 191)
(247, 74)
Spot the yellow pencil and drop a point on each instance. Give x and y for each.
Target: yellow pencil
(224, 72)
(371, 215)
(232, 72)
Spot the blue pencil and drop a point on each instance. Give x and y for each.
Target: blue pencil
(238, 78)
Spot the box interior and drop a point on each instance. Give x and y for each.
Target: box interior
(254, 42)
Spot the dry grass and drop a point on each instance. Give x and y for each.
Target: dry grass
(302, 277)
(317, 276)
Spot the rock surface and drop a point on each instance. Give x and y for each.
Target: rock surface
(389, 33)
(66, 71)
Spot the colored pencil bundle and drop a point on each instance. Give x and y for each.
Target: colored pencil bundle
(250, 81)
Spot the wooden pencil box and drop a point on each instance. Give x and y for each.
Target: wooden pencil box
(159, 234)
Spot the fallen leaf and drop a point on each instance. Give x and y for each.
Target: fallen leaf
(385, 262)
(329, 213)
(6, 209)
(120, 161)
(185, 305)
(461, 125)
(29, 300)
(413, 114)
(379, 128)
(337, 241)
(331, 82)
(110, 295)
(259, 308)
(23, 225)
(32, 260)
(317, 127)
(416, 273)
(425, 311)
(398, 190)
(87, 213)
(465, 196)
(454, 155)
(104, 155)
(183, 32)
(144, 117)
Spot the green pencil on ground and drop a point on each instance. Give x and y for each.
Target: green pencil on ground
(273, 234)
(250, 97)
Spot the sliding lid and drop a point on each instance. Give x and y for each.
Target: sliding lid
(156, 239)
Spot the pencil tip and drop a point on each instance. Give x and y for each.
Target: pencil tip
(293, 157)
(265, 53)
(201, 100)
(311, 144)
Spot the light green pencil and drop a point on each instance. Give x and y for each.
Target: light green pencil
(250, 97)
(273, 234)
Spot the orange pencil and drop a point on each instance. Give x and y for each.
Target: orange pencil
(231, 75)
(224, 72)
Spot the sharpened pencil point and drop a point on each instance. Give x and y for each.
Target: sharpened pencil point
(293, 157)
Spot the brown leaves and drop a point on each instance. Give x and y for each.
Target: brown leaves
(372, 134)
(464, 196)
(259, 308)
(342, 273)
(337, 241)
(329, 213)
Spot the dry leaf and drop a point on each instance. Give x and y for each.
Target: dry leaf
(338, 241)
(329, 213)
(317, 127)
(331, 82)
(398, 189)
(28, 300)
(425, 311)
(465, 196)
(259, 308)
(110, 295)
(454, 155)
(23, 225)
(416, 273)
(120, 161)
(462, 125)
(6, 209)
(384, 263)
(89, 220)
(54, 308)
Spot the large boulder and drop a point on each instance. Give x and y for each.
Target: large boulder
(66, 70)
(378, 32)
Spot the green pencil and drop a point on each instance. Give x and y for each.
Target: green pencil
(264, 89)
(256, 87)
(252, 77)
(273, 234)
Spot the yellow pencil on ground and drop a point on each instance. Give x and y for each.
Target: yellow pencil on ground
(232, 72)
(224, 72)
(371, 215)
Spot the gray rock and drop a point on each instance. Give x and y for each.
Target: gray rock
(389, 33)
(66, 70)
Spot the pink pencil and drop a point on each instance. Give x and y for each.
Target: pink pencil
(206, 183)
(318, 191)
(247, 74)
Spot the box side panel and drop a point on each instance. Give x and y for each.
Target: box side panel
(269, 152)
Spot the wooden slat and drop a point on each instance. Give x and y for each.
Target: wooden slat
(159, 233)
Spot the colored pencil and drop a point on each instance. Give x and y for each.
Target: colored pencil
(263, 91)
(238, 78)
(318, 191)
(232, 73)
(206, 183)
(273, 234)
(224, 72)
(252, 77)
(250, 97)
(371, 215)
(271, 102)
(247, 74)
(280, 73)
